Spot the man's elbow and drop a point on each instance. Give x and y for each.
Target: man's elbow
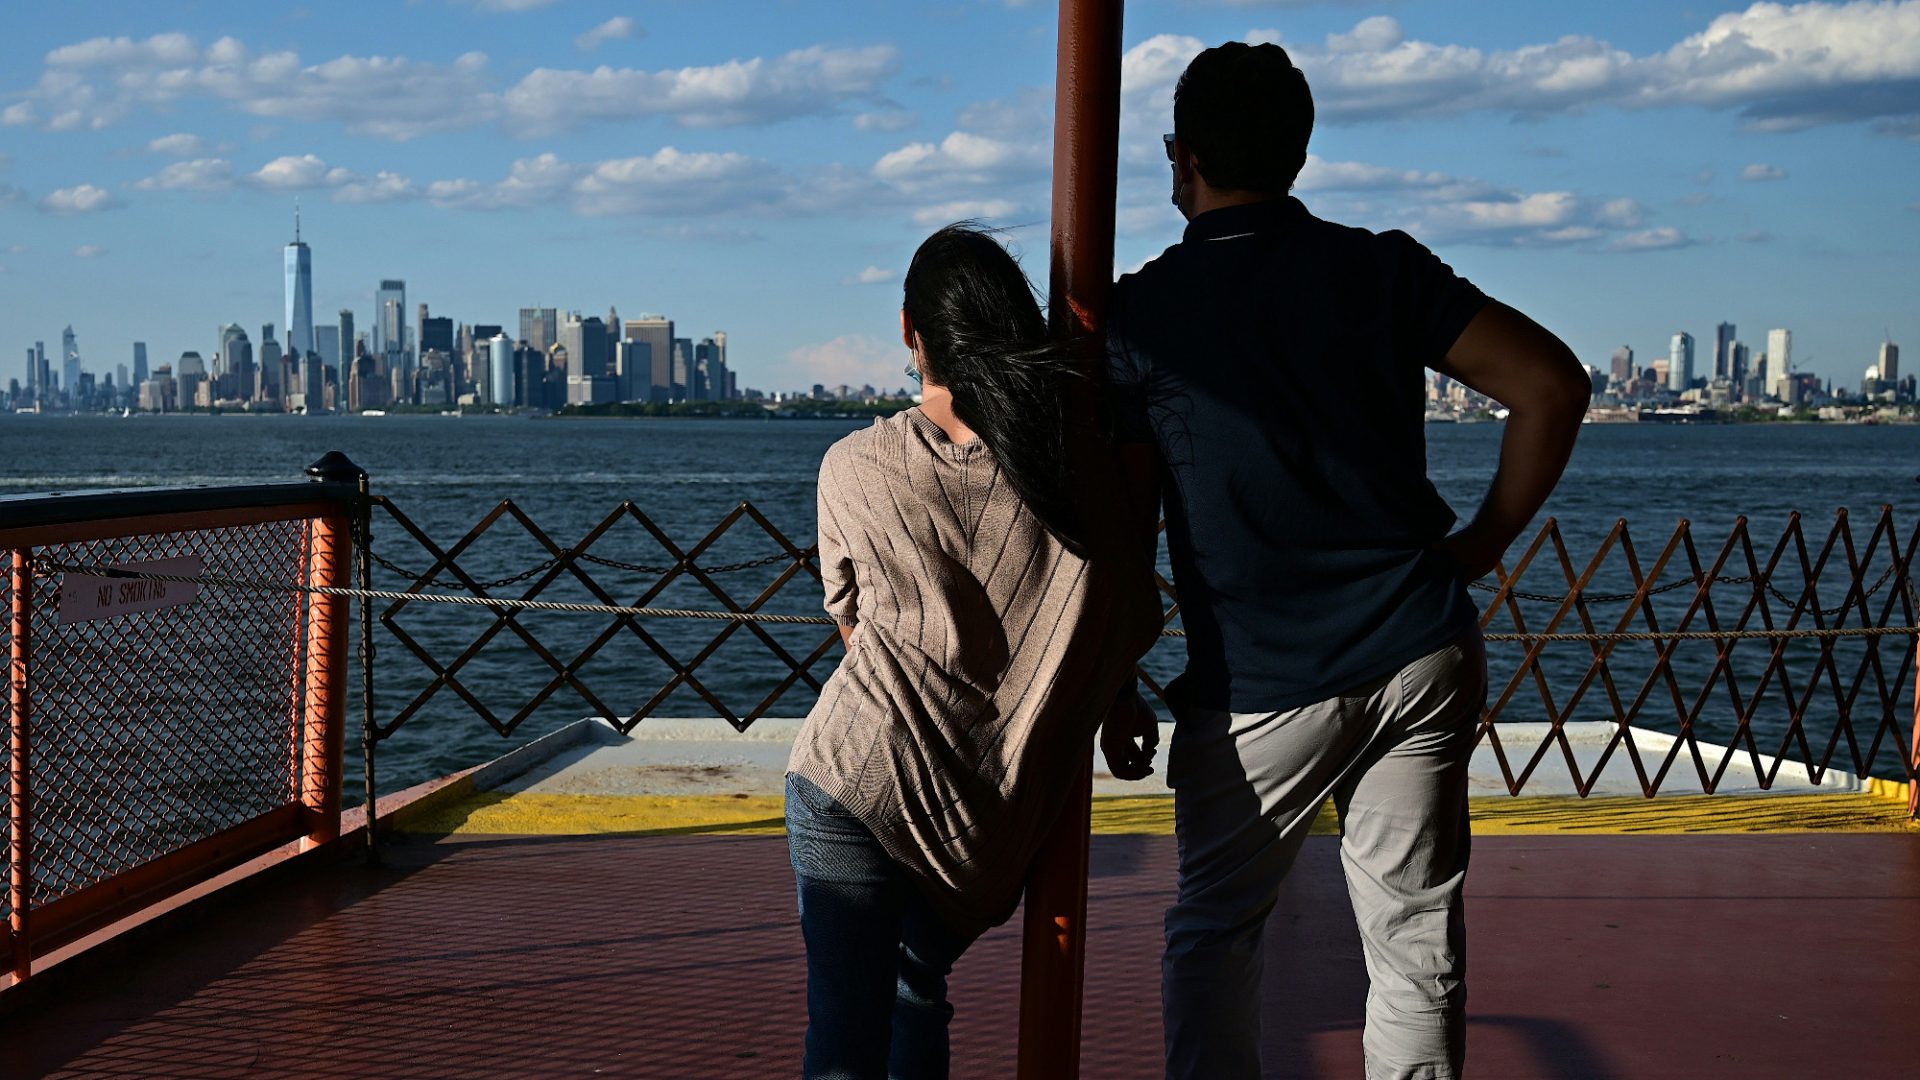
(1572, 388)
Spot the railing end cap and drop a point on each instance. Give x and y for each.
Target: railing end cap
(334, 465)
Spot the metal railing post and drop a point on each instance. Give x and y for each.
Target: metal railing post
(1086, 149)
(19, 702)
(323, 733)
(363, 515)
(1053, 934)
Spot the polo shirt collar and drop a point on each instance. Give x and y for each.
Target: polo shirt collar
(1267, 215)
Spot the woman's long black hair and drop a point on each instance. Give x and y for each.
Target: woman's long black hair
(983, 338)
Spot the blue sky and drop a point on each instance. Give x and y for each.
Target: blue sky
(1620, 170)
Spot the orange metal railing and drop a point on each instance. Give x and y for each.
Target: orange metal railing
(155, 739)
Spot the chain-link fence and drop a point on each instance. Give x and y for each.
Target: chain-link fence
(156, 731)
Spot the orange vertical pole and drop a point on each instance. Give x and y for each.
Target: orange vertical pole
(1086, 149)
(323, 733)
(19, 870)
(1054, 942)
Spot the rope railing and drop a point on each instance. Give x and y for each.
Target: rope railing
(45, 567)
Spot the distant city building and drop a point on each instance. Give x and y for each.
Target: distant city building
(1723, 341)
(540, 327)
(653, 378)
(69, 361)
(1889, 362)
(500, 381)
(1680, 363)
(299, 266)
(139, 362)
(1780, 364)
(390, 323)
(682, 370)
(1622, 372)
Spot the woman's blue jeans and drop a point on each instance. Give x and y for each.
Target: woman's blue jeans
(877, 955)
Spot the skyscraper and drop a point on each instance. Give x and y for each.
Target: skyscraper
(139, 362)
(654, 380)
(1890, 362)
(299, 263)
(540, 327)
(1680, 363)
(1780, 363)
(347, 338)
(500, 374)
(1723, 351)
(1622, 372)
(390, 323)
(69, 361)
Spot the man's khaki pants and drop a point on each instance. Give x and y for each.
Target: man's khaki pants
(1393, 756)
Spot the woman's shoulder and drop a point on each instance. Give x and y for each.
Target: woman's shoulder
(876, 445)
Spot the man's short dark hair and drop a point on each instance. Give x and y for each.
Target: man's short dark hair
(1245, 113)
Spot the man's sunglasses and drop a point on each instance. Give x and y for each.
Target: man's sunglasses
(1168, 140)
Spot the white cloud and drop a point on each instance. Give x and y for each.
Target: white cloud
(101, 81)
(739, 92)
(851, 359)
(966, 210)
(666, 182)
(181, 146)
(888, 120)
(383, 186)
(81, 199)
(1760, 170)
(1656, 239)
(200, 174)
(89, 251)
(1783, 67)
(872, 275)
(618, 28)
(298, 173)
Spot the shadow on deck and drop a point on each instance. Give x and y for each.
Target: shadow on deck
(1594, 957)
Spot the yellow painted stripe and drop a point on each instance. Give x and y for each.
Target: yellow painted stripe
(528, 813)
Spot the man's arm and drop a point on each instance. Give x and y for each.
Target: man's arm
(1519, 363)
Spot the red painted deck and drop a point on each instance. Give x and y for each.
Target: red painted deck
(678, 956)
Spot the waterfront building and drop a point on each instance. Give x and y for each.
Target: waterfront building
(349, 341)
(1737, 368)
(1780, 363)
(299, 280)
(654, 380)
(139, 362)
(1680, 363)
(1723, 341)
(1890, 362)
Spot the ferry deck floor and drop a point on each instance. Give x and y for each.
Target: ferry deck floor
(677, 955)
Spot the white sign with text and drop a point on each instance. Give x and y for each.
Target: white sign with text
(85, 597)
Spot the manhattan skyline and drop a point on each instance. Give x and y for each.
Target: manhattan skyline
(1626, 172)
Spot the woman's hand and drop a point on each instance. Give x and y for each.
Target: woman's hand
(1129, 736)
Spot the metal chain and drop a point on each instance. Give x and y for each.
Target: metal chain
(1681, 583)
(47, 567)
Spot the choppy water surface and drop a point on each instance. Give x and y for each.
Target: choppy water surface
(446, 474)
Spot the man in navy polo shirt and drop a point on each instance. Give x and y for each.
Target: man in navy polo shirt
(1275, 362)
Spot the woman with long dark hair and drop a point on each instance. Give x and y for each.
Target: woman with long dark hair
(990, 625)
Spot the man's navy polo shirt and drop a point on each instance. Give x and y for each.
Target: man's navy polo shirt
(1277, 360)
